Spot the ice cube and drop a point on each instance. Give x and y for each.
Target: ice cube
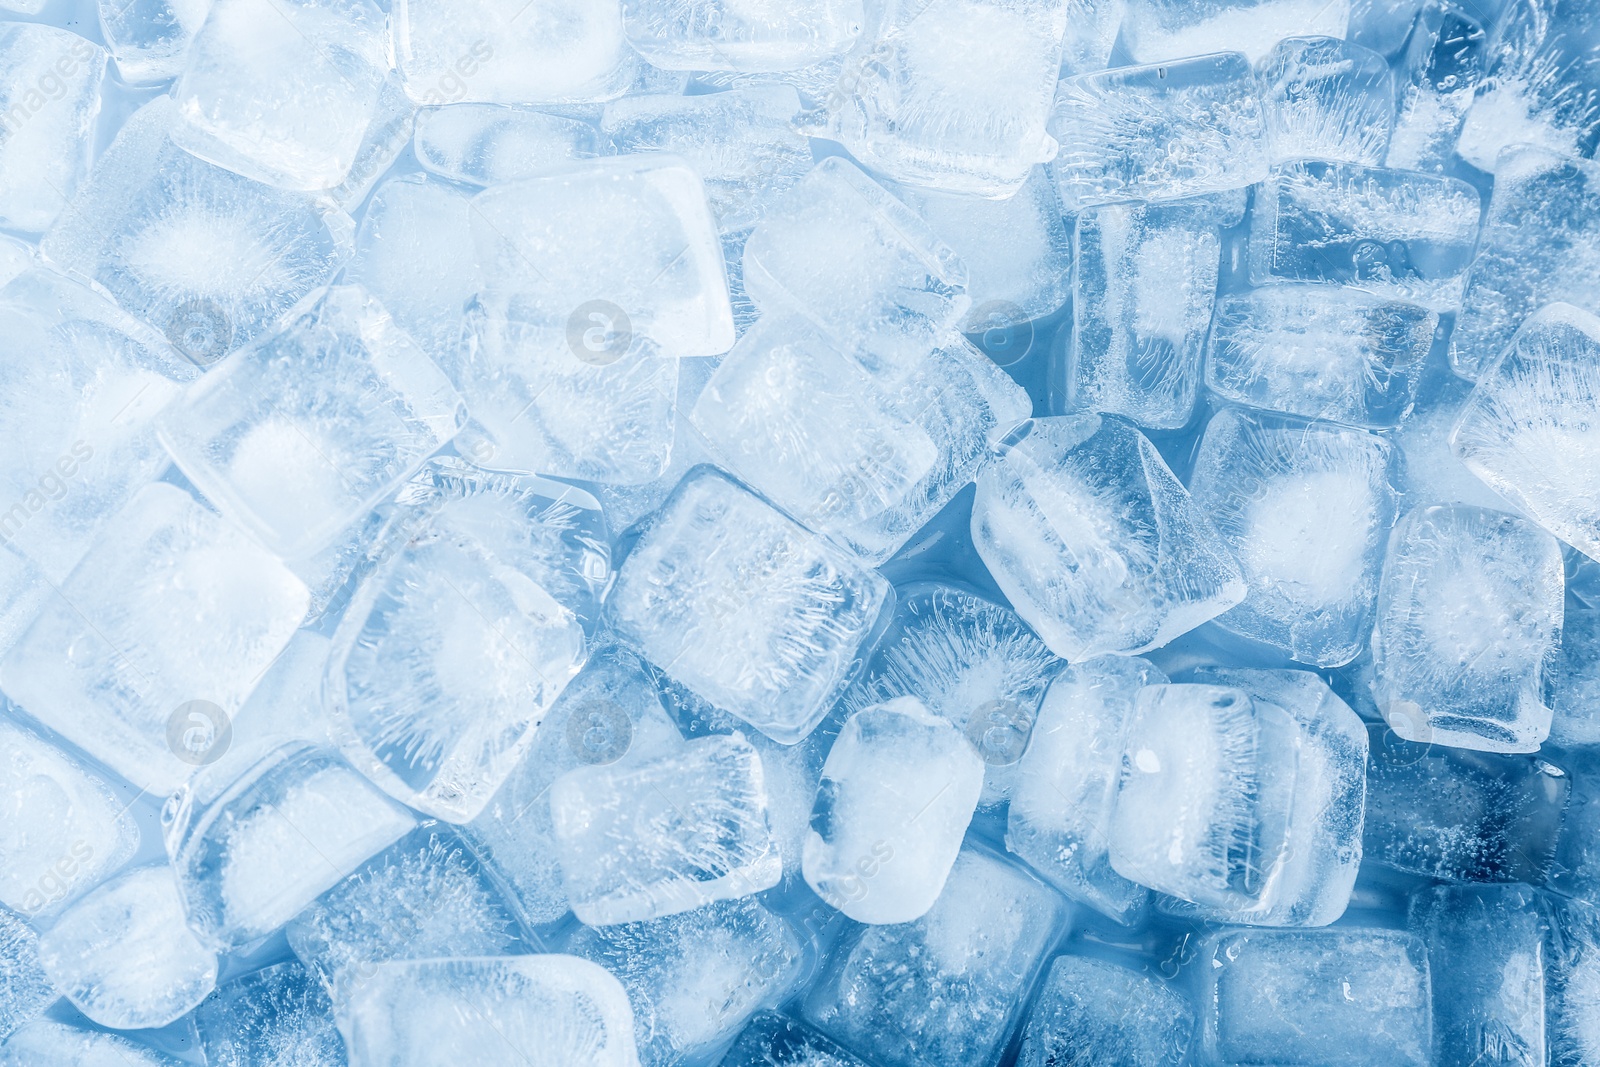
(149, 39)
(25, 989)
(387, 134)
(839, 249)
(525, 1011)
(64, 829)
(456, 644)
(50, 102)
(1528, 430)
(1576, 870)
(695, 978)
(510, 51)
(739, 603)
(628, 240)
(1158, 132)
(1092, 27)
(282, 92)
(742, 142)
(251, 853)
(1572, 994)
(427, 896)
(773, 1040)
(1326, 98)
(124, 954)
(751, 35)
(1486, 955)
(277, 1015)
(1540, 84)
(1142, 291)
(1306, 508)
(1347, 996)
(82, 385)
(1574, 676)
(46, 1041)
(1395, 234)
(16, 256)
(208, 257)
(949, 987)
(852, 454)
(1096, 543)
(1156, 30)
(665, 835)
(1093, 1012)
(1321, 351)
(1469, 612)
(171, 614)
(1427, 468)
(898, 789)
(490, 144)
(1059, 821)
(1438, 77)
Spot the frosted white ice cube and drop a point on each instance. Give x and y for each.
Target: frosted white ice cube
(489, 144)
(1155, 30)
(49, 104)
(1326, 98)
(744, 35)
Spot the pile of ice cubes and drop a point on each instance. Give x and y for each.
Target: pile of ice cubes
(799, 533)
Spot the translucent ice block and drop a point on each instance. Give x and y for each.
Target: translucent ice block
(1326, 98)
(1574, 676)
(49, 103)
(1438, 77)
(25, 989)
(47, 1041)
(763, 35)
(1117, 1016)
(1469, 611)
(1155, 30)
(149, 39)
(276, 1015)
(773, 1040)
(489, 144)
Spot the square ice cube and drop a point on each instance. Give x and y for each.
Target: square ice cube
(1469, 612)
(1156, 30)
(1326, 98)
(1528, 430)
(1438, 77)
(491, 144)
(49, 104)
(627, 244)
(1321, 351)
(741, 35)
(1392, 233)
(1089, 1007)
(25, 989)
(302, 433)
(736, 601)
(282, 91)
(1158, 132)
(1095, 541)
(172, 613)
(843, 252)
(278, 1014)
(149, 39)
(1306, 509)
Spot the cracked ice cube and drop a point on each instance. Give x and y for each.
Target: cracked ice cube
(149, 39)
(741, 35)
(1325, 98)
(276, 1015)
(1126, 1018)
(1156, 30)
(737, 602)
(1528, 430)
(1469, 612)
(1158, 132)
(1306, 509)
(1095, 541)
(49, 104)
(124, 954)
(490, 144)
(170, 607)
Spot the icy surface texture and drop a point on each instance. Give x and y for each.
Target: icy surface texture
(279, 1015)
(149, 39)
(300, 434)
(1574, 676)
(1155, 30)
(1091, 1013)
(1469, 612)
(282, 92)
(1143, 286)
(946, 988)
(172, 612)
(695, 978)
(773, 1040)
(1345, 996)
(741, 35)
(1437, 77)
(1528, 431)
(1395, 234)
(1541, 84)
(62, 828)
(510, 51)
(25, 989)
(50, 96)
(1325, 98)
(898, 789)
(252, 853)
(427, 896)
(1158, 132)
(529, 1011)
(1060, 815)
(82, 386)
(209, 258)
(1320, 351)
(843, 252)
(955, 95)
(627, 243)
(1095, 541)
(457, 642)
(1092, 27)
(662, 836)
(752, 612)
(1573, 961)
(47, 1042)
(124, 954)
(490, 144)
(1306, 509)
(848, 452)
